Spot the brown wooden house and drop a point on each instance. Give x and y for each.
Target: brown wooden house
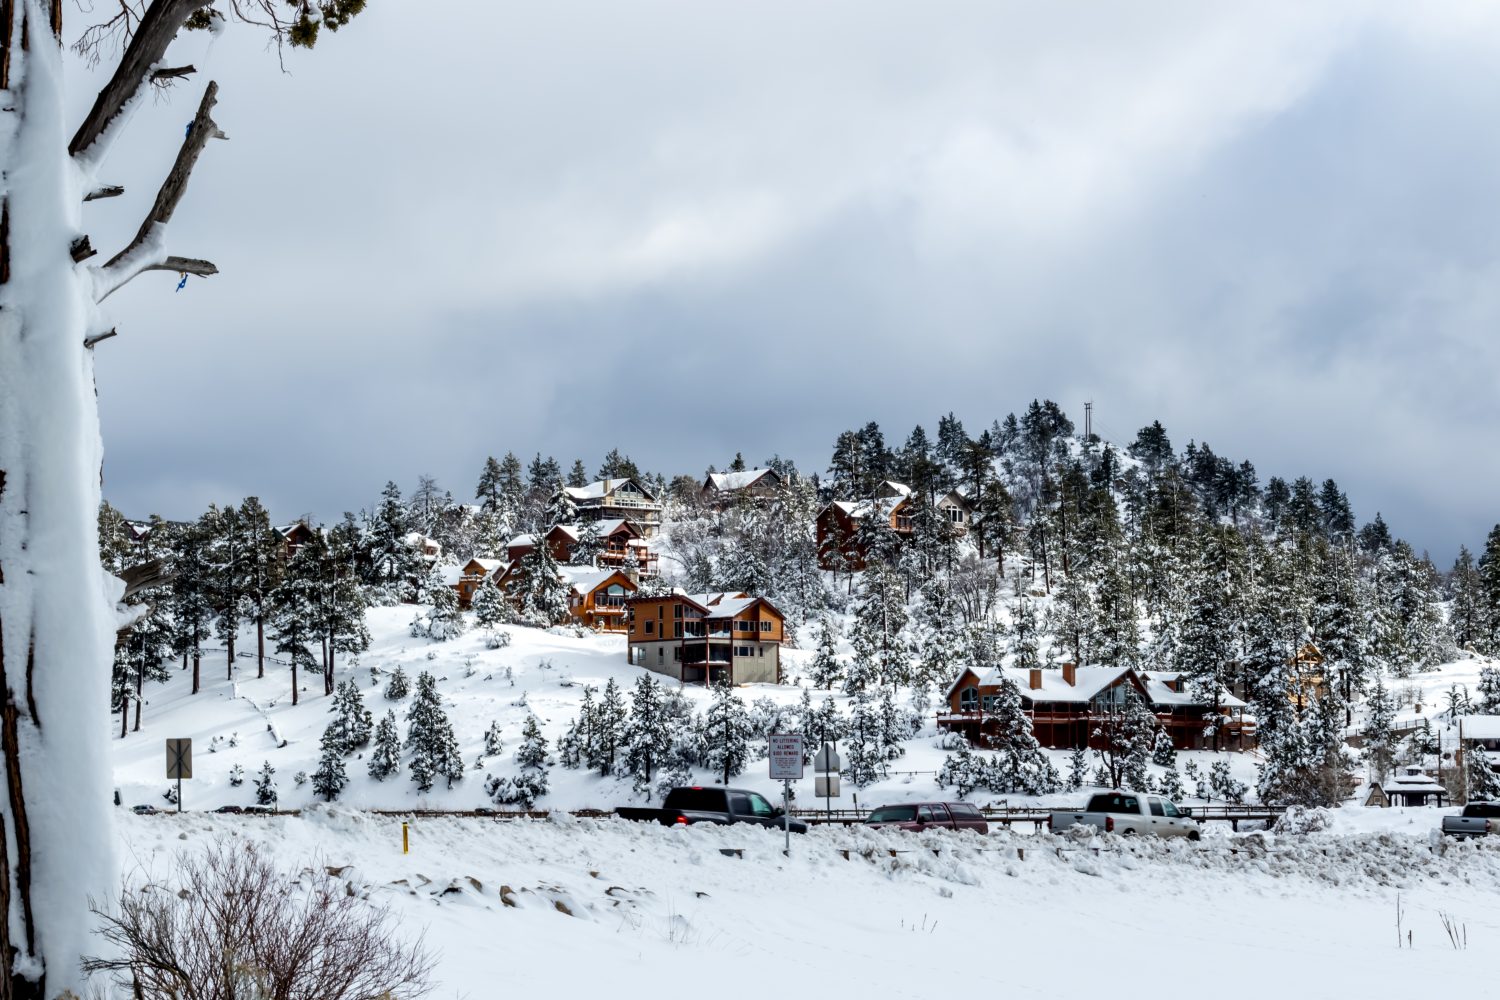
(1067, 706)
(720, 489)
(617, 499)
(468, 578)
(706, 638)
(620, 539)
(596, 597)
(841, 544)
(294, 536)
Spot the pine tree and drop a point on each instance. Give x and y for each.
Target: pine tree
(385, 756)
(263, 570)
(1171, 786)
(1480, 780)
(544, 595)
(726, 733)
(1489, 691)
(649, 736)
(940, 640)
(878, 634)
(341, 602)
(429, 735)
(576, 748)
(491, 609)
(609, 730)
(227, 552)
(530, 782)
(864, 757)
(1078, 765)
(1163, 753)
(962, 771)
(265, 785)
(192, 598)
(1024, 636)
(493, 744)
(394, 564)
(1208, 649)
(826, 670)
(293, 623)
(397, 687)
(1379, 732)
(444, 618)
(330, 778)
(353, 724)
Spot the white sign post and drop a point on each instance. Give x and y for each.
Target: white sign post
(786, 766)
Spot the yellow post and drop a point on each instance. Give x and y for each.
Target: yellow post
(405, 840)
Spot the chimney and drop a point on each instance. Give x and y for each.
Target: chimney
(1070, 674)
(1036, 679)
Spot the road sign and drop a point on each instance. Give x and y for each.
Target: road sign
(179, 759)
(786, 757)
(826, 786)
(826, 759)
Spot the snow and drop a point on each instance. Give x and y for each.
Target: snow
(546, 907)
(729, 481)
(1479, 727)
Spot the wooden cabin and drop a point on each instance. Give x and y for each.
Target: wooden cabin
(596, 597)
(468, 578)
(706, 638)
(620, 539)
(617, 499)
(720, 489)
(1066, 706)
(840, 546)
(294, 536)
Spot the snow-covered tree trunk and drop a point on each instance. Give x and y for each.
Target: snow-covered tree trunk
(55, 617)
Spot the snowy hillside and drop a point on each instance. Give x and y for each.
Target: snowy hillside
(247, 722)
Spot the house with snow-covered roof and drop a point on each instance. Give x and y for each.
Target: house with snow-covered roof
(843, 525)
(1067, 706)
(625, 499)
(722, 488)
(468, 578)
(620, 541)
(596, 595)
(731, 637)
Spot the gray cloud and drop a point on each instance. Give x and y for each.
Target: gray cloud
(686, 231)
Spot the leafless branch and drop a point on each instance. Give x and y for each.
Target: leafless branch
(94, 338)
(154, 31)
(125, 265)
(81, 249)
(108, 191)
(186, 265)
(164, 77)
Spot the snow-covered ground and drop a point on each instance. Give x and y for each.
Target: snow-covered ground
(629, 910)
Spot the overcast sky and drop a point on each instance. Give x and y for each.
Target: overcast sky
(690, 229)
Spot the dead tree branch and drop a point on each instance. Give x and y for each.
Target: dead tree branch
(186, 265)
(108, 191)
(168, 74)
(148, 44)
(127, 263)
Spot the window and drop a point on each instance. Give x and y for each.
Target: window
(677, 611)
(677, 630)
(765, 626)
(988, 701)
(968, 700)
(760, 651)
(661, 655)
(927, 814)
(955, 515)
(1168, 808)
(677, 653)
(739, 804)
(650, 627)
(1155, 804)
(759, 806)
(744, 651)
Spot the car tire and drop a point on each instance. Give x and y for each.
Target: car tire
(1131, 832)
(1194, 836)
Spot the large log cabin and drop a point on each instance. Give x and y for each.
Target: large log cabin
(720, 489)
(617, 499)
(706, 638)
(596, 595)
(620, 539)
(1067, 706)
(840, 546)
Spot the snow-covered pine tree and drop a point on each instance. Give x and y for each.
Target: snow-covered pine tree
(330, 777)
(864, 757)
(940, 640)
(491, 608)
(429, 736)
(263, 569)
(1072, 617)
(1480, 780)
(1163, 753)
(648, 740)
(878, 635)
(352, 723)
(341, 599)
(398, 686)
(1223, 782)
(530, 783)
(544, 595)
(576, 747)
(226, 552)
(1142, 728)
(265, 785)
(1379, 732)
(444, 618)
(1078, 768)
(294, 609)
(395, 565)
(1466, 613)
(726, 733)
(1208, 650)
(1117, 636)
(385, 755)
(611, 724)
(1170, 786)
(494, 746)
(586, 550)
(826, 670)
(896, 727)
(1489, 691)
(1024, 636)
(192, 598)
(963, 771)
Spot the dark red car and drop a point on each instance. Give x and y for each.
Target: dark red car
(929, 815)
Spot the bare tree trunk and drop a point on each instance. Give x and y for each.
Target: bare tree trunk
(294, 680)
(260, 647)
(197, 661)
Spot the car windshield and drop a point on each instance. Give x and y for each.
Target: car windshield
(893, 814)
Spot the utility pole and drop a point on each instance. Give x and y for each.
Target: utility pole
(1088, 421)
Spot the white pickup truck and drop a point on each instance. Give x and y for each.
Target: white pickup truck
(1128, 814)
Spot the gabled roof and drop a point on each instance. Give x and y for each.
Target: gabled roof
(485, 566)
(602, 488)
(722, 604)
(1089, 683)
(1160, 693)
(857, 510)
(587, 579)
(890, 488)
(726, 482)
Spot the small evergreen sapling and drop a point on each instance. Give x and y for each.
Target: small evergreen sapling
(353, 722)
(1078, 768)
(963, 771)
(398, 686)
(726, 733)
(429, 736)
(265, 785)
(236, 776)
(1163, 754)
(385, 757)
(826, 670)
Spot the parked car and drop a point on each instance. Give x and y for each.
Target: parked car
(1478, 819)
(688, 806)
(928, 816)
(1128, 814)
